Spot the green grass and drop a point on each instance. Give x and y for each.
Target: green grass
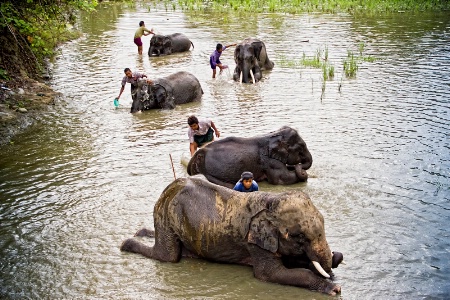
(329, 6)
(350, 65)
(319, 61)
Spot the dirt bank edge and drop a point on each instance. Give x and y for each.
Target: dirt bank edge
(21, 105)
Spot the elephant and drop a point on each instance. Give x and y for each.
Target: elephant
(280, 157)
(251, 58)
(178, 88)
(168, 44)
(280, 235)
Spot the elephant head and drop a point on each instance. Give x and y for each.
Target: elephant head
(160, 45)
(157, 95)
(294, 230)
(162, 93)
(247, 56)
(251, 58)
(288, 147)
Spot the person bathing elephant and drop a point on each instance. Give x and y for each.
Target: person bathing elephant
(280, 235)
(178, 88)
(251, 58)
(280, 157)
(168, 44)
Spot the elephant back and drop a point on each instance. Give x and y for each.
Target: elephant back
(185, 87)
(180, 42)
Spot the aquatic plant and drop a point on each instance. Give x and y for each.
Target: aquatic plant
(316, 61)
(350, 65)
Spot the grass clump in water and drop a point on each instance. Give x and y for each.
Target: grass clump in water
(318, 61)
(350, 65)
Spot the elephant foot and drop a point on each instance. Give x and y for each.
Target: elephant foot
(338, 257)
(128, 245)
(145, 232)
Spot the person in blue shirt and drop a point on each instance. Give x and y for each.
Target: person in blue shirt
(214, 59)
(246, 183)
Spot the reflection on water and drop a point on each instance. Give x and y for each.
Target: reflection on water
(87, 177)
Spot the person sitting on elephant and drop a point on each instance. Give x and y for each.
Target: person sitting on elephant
(214, 59)
(200, 133)
(139, 33)
(246, 183)
(132, 77)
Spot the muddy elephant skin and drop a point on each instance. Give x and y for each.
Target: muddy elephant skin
(280, 235)
(178, 88)
(280, 157)
(251, 59)
(168, 44)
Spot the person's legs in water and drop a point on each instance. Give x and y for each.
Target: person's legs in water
(213, 66)
(138, 43)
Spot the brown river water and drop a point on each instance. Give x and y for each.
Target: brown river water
(87, 176)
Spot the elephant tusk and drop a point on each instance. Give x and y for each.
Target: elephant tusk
(320, 269)
(253, 77)
(240, 78)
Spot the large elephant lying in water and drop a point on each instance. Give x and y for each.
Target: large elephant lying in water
(251, 58)
(281, 235)
(168, 44)
(280, 157)
(178, 88)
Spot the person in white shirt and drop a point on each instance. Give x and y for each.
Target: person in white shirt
(200, 133)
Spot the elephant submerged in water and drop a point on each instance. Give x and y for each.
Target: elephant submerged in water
(251, 59)
(280, 157)
(168, 44)
(281, 235)
(178, 88)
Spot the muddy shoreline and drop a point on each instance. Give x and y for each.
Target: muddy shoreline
(21, 104)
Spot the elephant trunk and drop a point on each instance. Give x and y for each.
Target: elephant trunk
(321, 257)
(301, 173)
(307, 161)
(245, 72)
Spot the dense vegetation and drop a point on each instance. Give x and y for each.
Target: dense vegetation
(30, 31)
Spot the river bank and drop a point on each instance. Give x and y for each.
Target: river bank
(21, 103)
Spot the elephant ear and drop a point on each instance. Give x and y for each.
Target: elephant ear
(161, 95)
(278, 148)
(237, 52)
(257, 47)
(167, 43)
(263, 233)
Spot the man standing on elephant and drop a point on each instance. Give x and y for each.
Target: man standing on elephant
(132, 78)
(200, 133)
(214, 59)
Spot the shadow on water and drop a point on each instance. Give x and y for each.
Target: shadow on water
(88, 175)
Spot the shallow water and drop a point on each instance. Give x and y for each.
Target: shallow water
(87, 176)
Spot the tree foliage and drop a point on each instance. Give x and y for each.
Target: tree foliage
(32, 29)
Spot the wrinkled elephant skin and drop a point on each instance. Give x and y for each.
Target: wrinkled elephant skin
(280, 157)
(271, 232)
(251, 59)
(178, 88)
(168, 44)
